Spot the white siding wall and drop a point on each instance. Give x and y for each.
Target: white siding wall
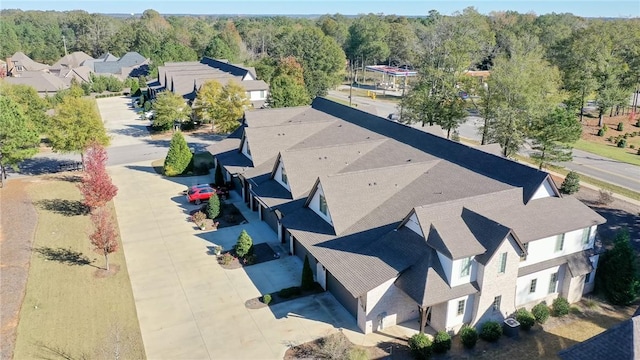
(545, 190)
(453, 269)
(588, 286)
(278, 176)
(414, 225)
(523, 296)
(455, 321)
(544, 249)
(315, 205)
(257, 95)
(245, 149)
(389, 301)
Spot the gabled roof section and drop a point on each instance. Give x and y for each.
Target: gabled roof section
(539, 218)
(19, 58)
(278, 116)
(43, 82)
(489, 233)
(266, 142)
(498, 168)
(235, 70)
(447, 232)
(425, 282)
(579, 264)
(303, 166)
(351, 196)
(73, 60)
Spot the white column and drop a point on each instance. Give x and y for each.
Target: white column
(260, 212)
(280, 235)
(291, 240)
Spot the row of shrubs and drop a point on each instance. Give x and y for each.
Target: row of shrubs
(422, 346)
(109, 95)
(620, 127)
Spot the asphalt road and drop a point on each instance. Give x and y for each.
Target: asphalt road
(611, 171)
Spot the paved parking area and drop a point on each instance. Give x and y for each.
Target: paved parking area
(188, 306)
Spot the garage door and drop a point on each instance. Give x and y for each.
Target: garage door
(270, 218)
(342, 295)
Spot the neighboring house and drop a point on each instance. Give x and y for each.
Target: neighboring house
(45, 83)
(130, 64)
(19, 62)
(186, 78)
(621, 342)
(400, 224)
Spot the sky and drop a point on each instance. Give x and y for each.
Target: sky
(584, 8)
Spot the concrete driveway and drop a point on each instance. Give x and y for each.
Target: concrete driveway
(188, 306)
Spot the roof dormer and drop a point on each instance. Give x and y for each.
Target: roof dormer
(317, 202)
(279, 173)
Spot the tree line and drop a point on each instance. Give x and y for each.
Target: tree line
(536, 62)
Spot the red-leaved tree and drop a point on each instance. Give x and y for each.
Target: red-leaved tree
(104, 237)
(96, 186)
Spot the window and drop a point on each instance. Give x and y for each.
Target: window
(263, 94)
(503, 263)
(587, 278)
(323, 204)
(585, 236)
(524, 254)
(460, 307)
(553, 282)
(283, 176)
(560, 242)
(247, 148)
(496, 302)
(532, 287)
(465, 267)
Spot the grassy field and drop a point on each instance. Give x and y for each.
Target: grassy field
(72, 309)
(610, 151)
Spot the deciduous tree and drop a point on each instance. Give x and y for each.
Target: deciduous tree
(96, 186)
(104, 237)
(18, 141)
(169, 108)
(234, 102)
(75, 125)
(287, 87)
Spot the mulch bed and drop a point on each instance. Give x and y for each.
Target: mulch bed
(257, 303)
(229, 216)
(337, 344)
(261, 253)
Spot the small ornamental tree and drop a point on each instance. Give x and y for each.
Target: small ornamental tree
(96, 186)
(218, 178)
(104, 237)
(244, 244)
(617, 273)
(213, 208)
(560, 307)
(571, 183)
(307, 275)
(179, 156)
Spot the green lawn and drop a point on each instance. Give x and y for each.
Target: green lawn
(610, 151)
(69, 310)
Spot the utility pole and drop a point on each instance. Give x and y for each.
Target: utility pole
(64, 41)
(404, 87)
(350, 82)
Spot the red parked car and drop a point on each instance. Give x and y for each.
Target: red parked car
(199, 194)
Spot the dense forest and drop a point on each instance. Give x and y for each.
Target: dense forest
(536, 62)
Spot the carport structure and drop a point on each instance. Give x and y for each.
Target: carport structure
(391, 73)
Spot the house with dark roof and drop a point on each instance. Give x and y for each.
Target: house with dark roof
(621, 342)
(186, 78)
(401, 225)
(131, 64)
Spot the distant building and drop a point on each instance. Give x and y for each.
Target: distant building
(186, 78)
(130, 64)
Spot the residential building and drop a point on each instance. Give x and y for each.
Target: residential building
(400, 224)
(131, 64)
(186, 78)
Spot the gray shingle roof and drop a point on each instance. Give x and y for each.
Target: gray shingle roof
(426, 283)
(130, 59)
(73, 60)
(621, 342)
(350, 196)
(579, 264)
(19, 58)
(488, 196)
(43, 82)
